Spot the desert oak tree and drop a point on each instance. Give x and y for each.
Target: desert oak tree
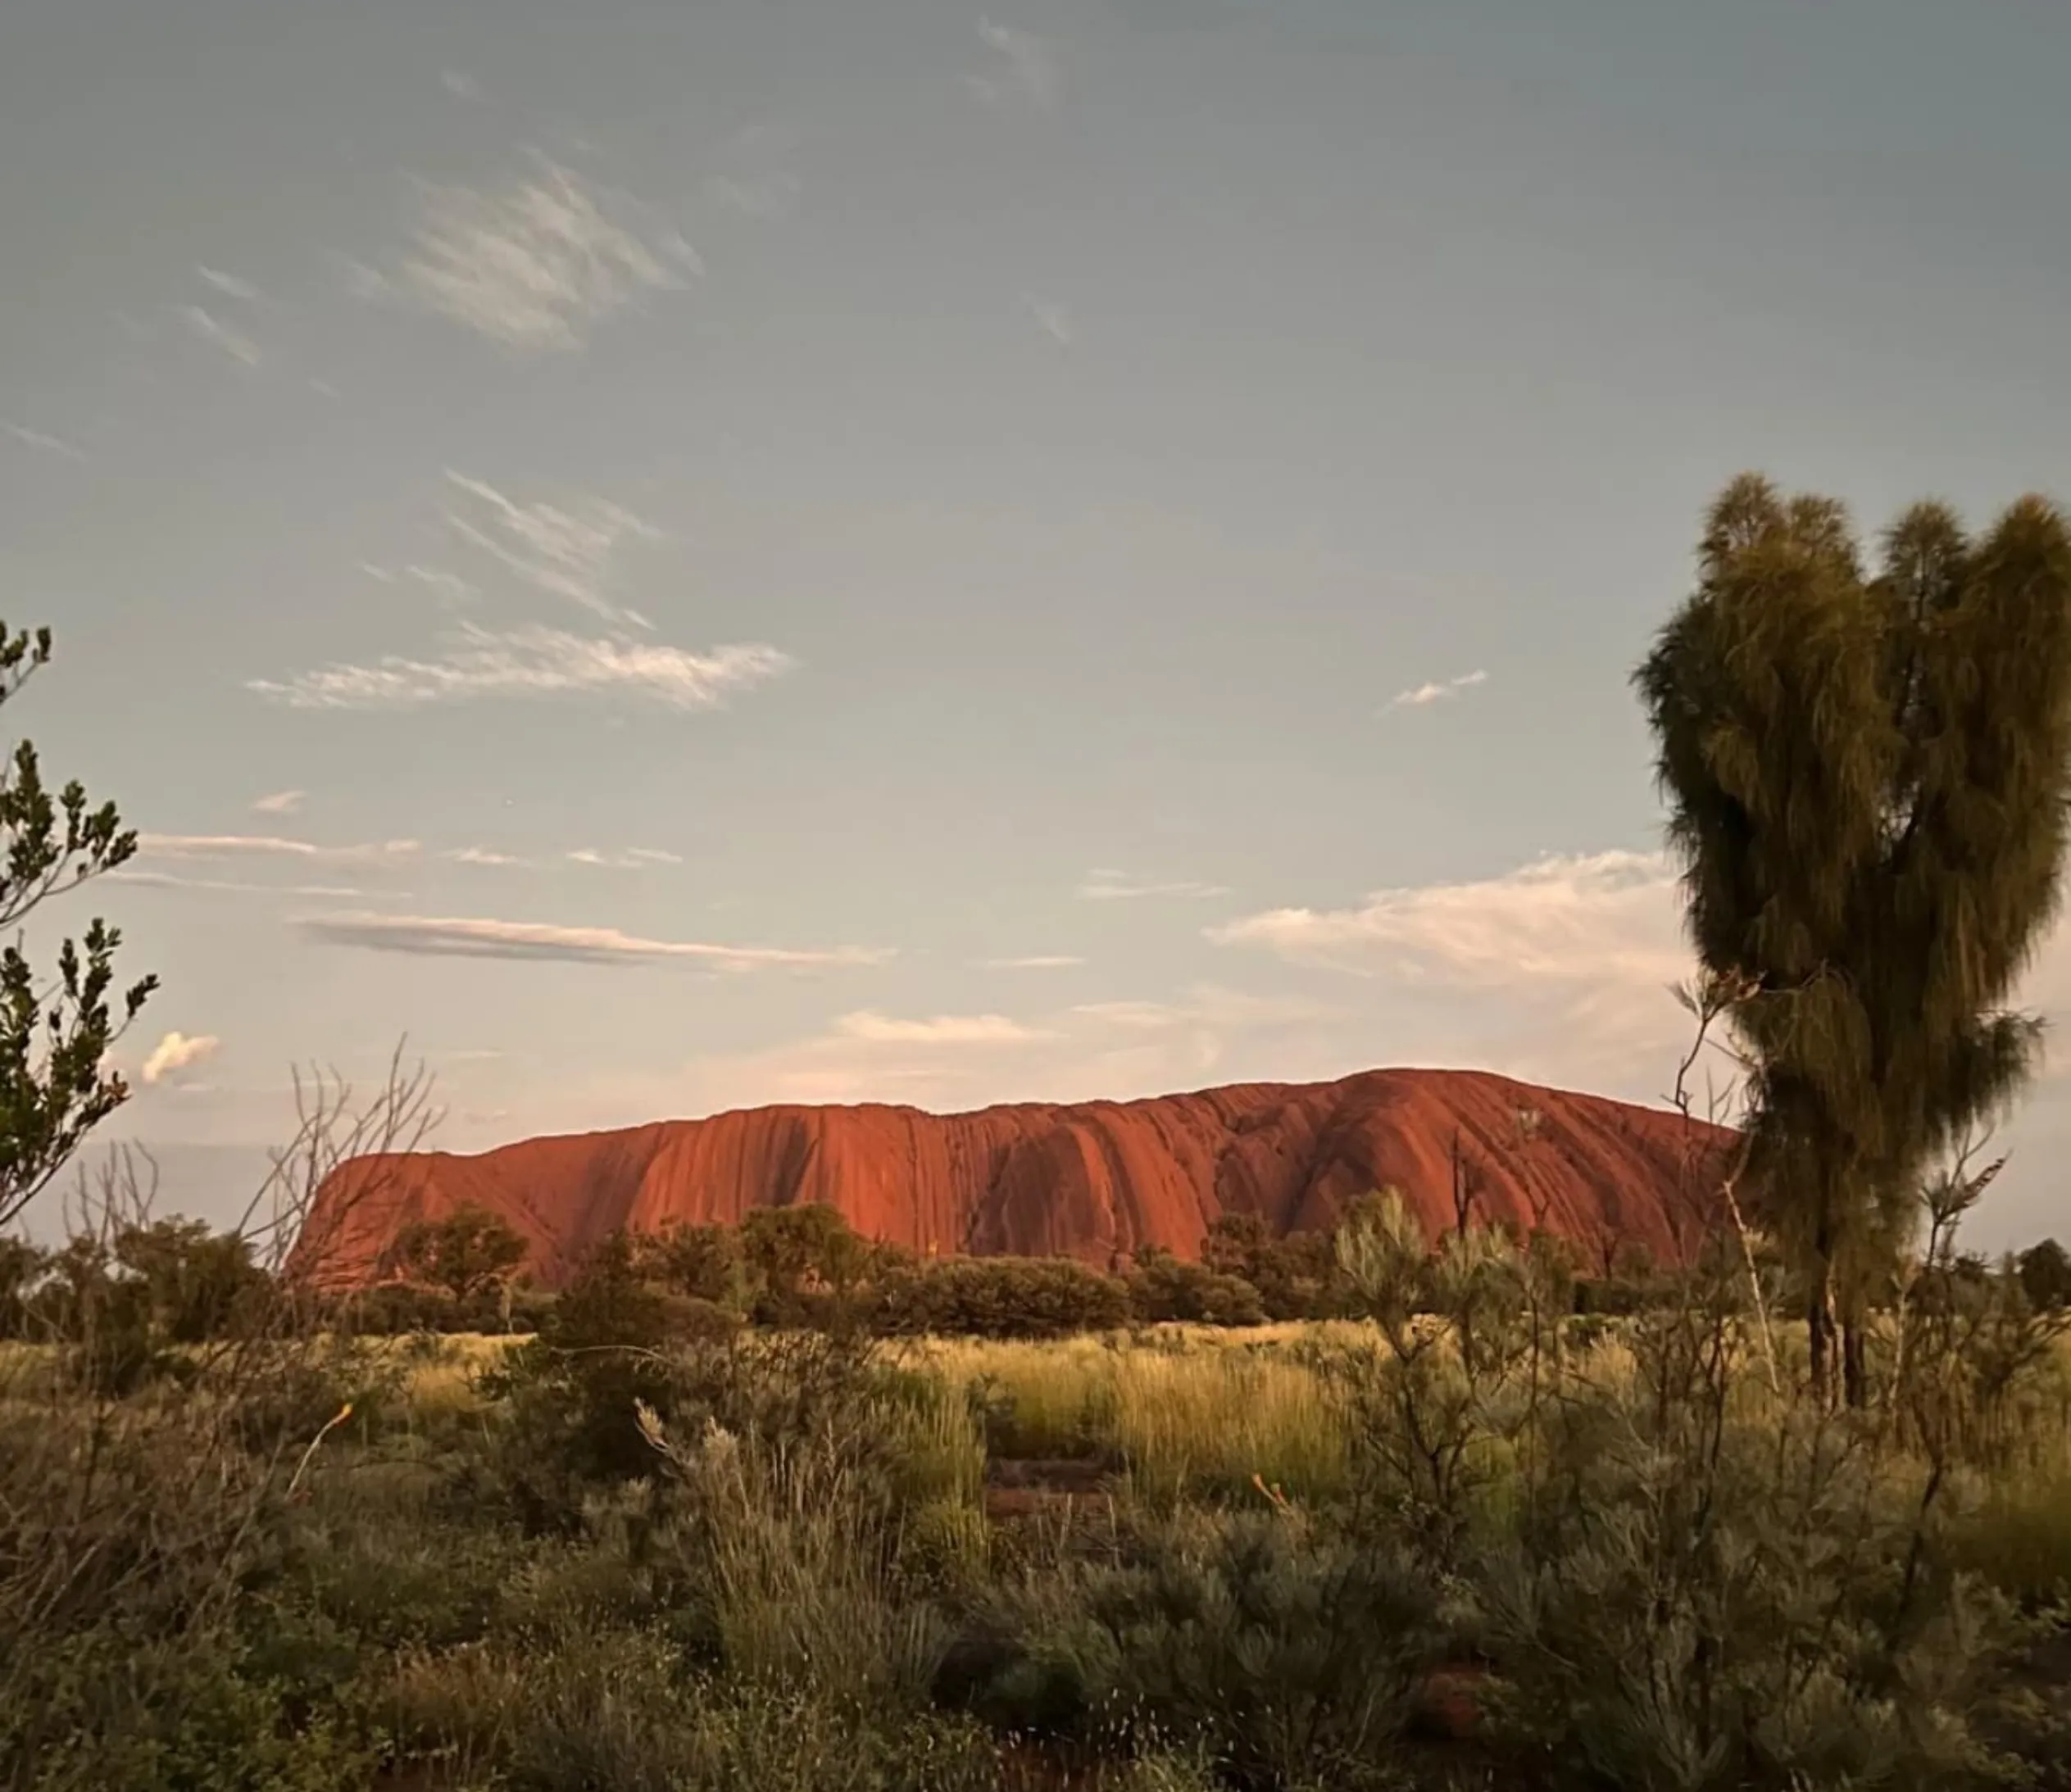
(1866, 775)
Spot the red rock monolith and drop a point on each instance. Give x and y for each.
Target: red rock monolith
(1091, 1180)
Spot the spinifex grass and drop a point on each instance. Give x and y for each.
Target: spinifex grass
(1203, 1425)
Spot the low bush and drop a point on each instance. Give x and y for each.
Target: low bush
(1000, 1297)
(1290, 1653)
(1162, 1289)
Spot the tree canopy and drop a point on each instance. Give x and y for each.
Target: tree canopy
(1866, 773)
(55, 1085)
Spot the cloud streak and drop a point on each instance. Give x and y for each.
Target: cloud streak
(566, 551)
(633, 859)
(955, 1062)
(210, 329)
(43, 442)
(1437, 692)
(166, 880)
(230, 285)
(532, 662)
(1106, 885)
(538, 264)
(1054, 320)
(449, 587)
(1039, 961)
(474, 936)
(281, 802)
(1024, 69)
(940, 1030)
(250, 847)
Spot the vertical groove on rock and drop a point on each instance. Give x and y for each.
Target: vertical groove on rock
(1083, 1181)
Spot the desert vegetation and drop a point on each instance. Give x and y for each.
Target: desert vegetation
(780, 1506)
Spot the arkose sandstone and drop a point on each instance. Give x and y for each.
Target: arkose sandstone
(1092, 1180)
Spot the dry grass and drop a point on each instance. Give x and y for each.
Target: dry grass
(1190, 1410)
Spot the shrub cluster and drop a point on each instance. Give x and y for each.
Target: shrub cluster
(655, 1544)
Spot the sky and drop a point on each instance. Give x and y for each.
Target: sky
(679, 556)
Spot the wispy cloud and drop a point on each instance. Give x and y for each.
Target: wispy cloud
(538, 263)
(482, 855)
(479, 938)
(939, 1030)
(565, 549)
(753, 195)
(1557, 970)
(230, 285)
(1053, 320)
(176, 1052)
(1039, 961)
(532, 662)
(1135, 1016)
(449, 587)
(1568, 919)
(946, 1063)
(43, 442)
(1023, 69)
(751, 177)
(1204, 1004)
(633, 859)
(1437, 692)
(463, 87)
(212, 329)
(281, 802)
(166, 880)
(250, 847)
(1105, 885)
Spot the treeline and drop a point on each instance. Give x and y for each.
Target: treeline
(139, 1291)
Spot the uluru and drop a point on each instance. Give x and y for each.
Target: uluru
(1091, 1180)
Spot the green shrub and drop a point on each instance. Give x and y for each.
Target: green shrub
(1163, 1290)
(1290, 1655)
(1000, 1297)
(701, 1262)
(105, 1709)
(1294, 1276)
(1769, 1613)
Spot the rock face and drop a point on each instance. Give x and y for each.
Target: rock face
(1091, 1180)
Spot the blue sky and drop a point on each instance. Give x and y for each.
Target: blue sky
(688, 556)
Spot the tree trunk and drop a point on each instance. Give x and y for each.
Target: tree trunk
(1854, 1374)
(1820, 1327)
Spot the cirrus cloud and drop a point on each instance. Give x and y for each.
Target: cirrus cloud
(940, 1030)
(565, 550)
(251, 846)
(1437, 692)
(532, 661)
(479, 936)
(1025, 70)
(1105, 884)
(537, 264)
